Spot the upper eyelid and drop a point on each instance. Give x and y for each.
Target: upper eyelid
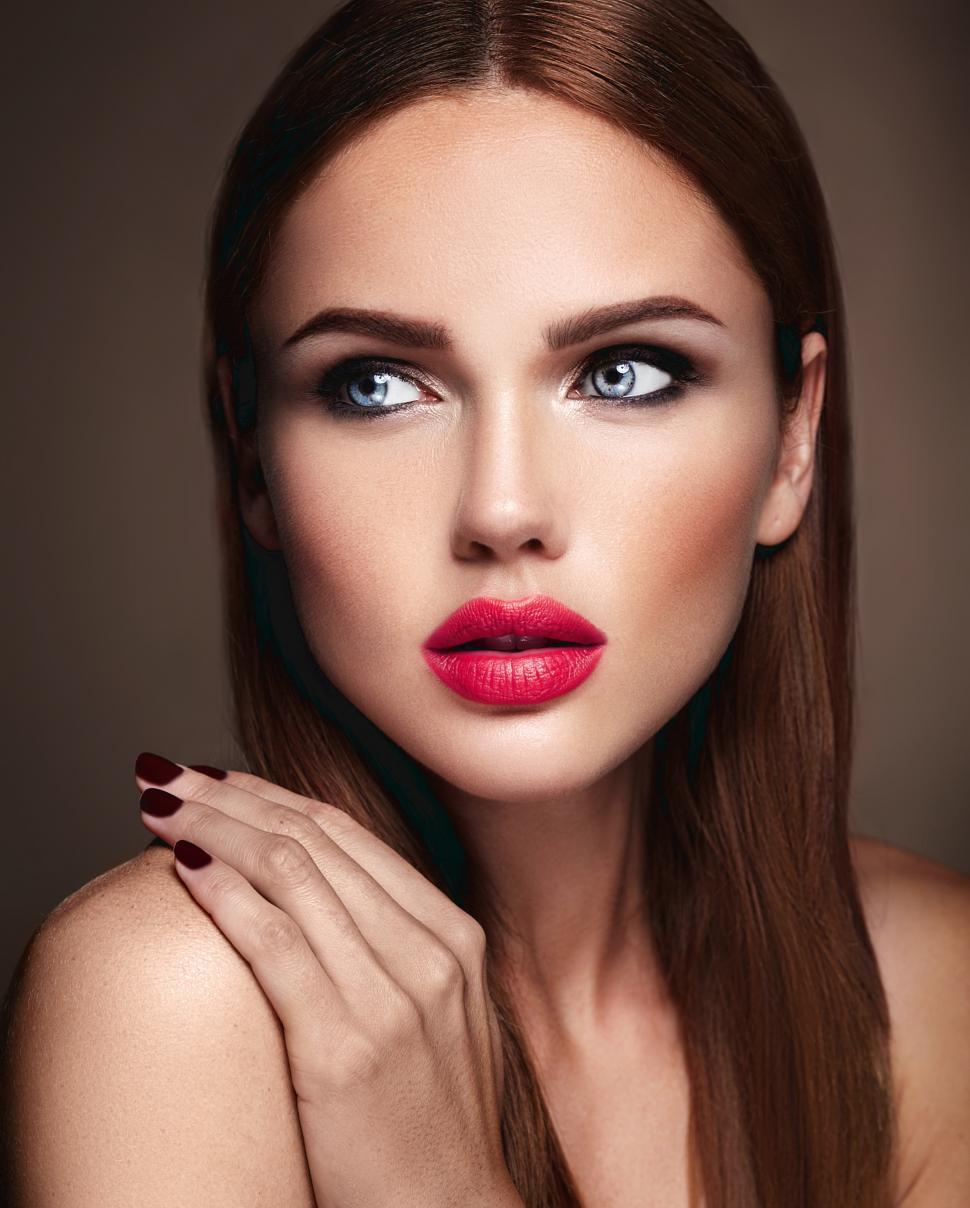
(344, 368)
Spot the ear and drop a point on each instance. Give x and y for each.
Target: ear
(791, 486)
(254, 502)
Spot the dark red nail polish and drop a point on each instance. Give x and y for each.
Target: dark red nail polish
(207, 770)
(159, 803)
(156, 768)
(190, 855)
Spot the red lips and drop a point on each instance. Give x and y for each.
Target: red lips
(538, 616)
(527, 668)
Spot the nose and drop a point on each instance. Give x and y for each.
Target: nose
(513, 475)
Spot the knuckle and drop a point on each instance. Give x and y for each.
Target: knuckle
(362, 1052)
(296, 825)
(470, 938)
(222, 888)
(443, 970)
(277, 934)
(356, 1059)
(284, 860)
(401, 1016)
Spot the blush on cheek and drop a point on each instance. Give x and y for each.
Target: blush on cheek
(714, 518)
(699, 570)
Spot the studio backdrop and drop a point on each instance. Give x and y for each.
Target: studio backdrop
(118, 121)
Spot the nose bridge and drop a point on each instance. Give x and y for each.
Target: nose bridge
(511, 467)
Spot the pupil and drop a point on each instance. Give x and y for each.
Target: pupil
(368, 388)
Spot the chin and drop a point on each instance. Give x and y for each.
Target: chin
(529, 769)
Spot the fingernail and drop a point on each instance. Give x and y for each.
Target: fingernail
(159, 803)
(190, 855)
(207, 770)
(156, 768)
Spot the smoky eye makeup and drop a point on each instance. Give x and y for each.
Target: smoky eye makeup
(620, 376)
(613, 371)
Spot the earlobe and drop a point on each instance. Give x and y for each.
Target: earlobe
(788, 495)
(253, 499)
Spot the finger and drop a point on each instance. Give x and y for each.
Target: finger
(414, 958)
(287, 877)
(271, 942)
(245, 796)
(366, 897)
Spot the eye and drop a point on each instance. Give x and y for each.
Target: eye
(639, 375)
(372, 388)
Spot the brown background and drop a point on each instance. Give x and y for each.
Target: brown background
(117, 118)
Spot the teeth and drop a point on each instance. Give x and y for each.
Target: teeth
(512, 642)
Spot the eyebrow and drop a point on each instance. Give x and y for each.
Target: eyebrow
(420, 333)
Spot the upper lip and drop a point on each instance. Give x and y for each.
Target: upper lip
(537, 616)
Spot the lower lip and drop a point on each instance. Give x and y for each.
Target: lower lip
(524, 678)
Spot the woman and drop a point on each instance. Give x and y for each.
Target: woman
(525, 373)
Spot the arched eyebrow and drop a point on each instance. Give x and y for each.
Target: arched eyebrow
(420, 333)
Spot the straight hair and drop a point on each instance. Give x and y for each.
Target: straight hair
(752, 897)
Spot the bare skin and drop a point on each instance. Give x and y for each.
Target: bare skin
(494, 217)
(146, 1001)
(512, 474)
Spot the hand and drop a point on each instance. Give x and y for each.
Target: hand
(377, 977)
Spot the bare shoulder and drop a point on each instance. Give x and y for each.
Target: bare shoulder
(144, 1063)
(918, 914)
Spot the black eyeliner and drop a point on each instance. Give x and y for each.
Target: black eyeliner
(679, 366)
(327, 386)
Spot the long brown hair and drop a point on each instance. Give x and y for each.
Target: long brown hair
(753, 901)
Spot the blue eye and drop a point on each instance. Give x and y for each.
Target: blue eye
(639, 375)
(372, 388)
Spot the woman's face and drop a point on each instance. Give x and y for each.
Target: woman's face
(517, 469)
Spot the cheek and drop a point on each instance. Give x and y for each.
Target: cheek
(350, 540)
(693, 528)
(701, 539)
(660, 537)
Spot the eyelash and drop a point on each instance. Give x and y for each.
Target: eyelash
(680, 368)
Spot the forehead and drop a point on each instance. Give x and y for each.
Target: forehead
(454, 206)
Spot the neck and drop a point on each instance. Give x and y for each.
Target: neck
(565, 876)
